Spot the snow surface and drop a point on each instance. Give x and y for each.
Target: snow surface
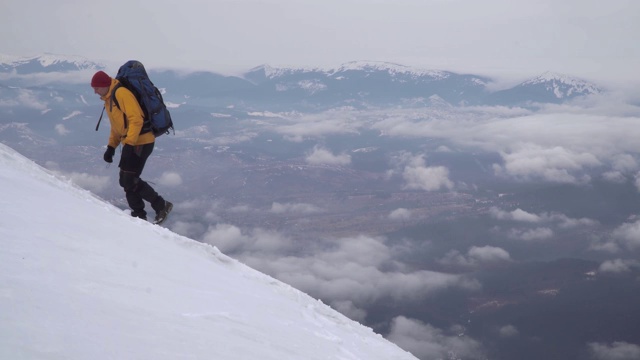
(81, 279)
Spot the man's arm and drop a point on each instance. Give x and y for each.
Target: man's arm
(133, 112)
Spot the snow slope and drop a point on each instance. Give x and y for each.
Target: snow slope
(81, 279)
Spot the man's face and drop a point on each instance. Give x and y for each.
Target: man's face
(102, 91)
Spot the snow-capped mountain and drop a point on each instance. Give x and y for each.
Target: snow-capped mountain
(562, 86)
(548, 88)
(357, 66)
(81, 279)
(356, 84)
(46, 63)
(365, 82)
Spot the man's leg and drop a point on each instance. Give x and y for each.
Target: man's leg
(135, 188)
(130, 182)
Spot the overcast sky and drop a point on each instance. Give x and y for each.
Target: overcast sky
(593, 39)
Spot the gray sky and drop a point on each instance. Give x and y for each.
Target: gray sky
(593, 39)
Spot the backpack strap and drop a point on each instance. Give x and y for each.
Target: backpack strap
(100, 119)
(115, 100)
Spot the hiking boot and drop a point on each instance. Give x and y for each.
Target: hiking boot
(161, 215)
(139, 214)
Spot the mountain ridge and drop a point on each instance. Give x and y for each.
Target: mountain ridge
(355, 83)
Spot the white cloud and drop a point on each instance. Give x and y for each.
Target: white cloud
(72, 115)
(488, 254)
(427, 178)
(566, 222)
(347, 308)
(508, 331)
(359, 269)
(87, 181)
(61, 129)
(624, 163)
(616, 266)
(515, 215)
(295, 208)
(427, 342)
(615, 177)
(556, 164)
(628, 234)
(400, 214)
(562, 144)
(420, 177)
(476, 256)
(537, 234)
(562, 220)
(324, 156)
(188, 229)
(230, 238)
(637, 181)
(170, 179)
(314, 125)
(25, 98)
(618, 350)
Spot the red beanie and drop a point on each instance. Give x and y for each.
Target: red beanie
(101, 79)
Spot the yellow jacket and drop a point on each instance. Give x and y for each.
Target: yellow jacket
(128, 133)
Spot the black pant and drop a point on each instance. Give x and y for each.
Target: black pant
(136, 189)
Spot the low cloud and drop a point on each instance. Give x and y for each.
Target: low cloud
(359, 269)
(476, 256)
(61, 130)
(315, 125)
(515, 215)
(616, 266)
(624, 163)
(561, 144)
(637, 181)
(418, 176)
(627, 235)
(427, 342)
(537, 234)
(508, 331)
(43, 78)
(562, 221)
(26, 98)
(615, 177)
(170, 179)
(400, 214)
(294, 208)
(324, 156)
(618, 350)
(93, 183)
(231, 239)
(556, 164)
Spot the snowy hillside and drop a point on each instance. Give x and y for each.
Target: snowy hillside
(81, 279)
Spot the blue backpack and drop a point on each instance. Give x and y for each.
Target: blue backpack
(133, 76)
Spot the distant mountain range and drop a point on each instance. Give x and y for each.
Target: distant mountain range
(356, 84)
(45, 63)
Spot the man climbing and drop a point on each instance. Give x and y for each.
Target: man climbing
(127, 119)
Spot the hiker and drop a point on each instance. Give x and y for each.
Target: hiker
(126, 128)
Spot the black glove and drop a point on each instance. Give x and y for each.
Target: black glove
(108, 154)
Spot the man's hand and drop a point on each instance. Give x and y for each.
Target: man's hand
(108, 154)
